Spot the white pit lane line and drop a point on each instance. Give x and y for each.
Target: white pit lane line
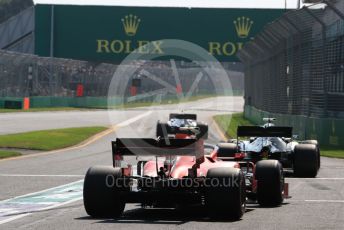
(21, 206)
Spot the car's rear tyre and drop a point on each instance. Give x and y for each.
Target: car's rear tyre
(203, 128)
(269, 174)
(306, 157)
(162, 129)
(225, 198)
(102, 197)
(226, 150)
(315, 142)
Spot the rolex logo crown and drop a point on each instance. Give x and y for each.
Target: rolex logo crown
(130, 24)
(243, 26)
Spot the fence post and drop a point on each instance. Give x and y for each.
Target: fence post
(323, 34)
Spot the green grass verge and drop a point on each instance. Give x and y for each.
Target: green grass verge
(332, 152)
(48, 139)
(6, 154)
(229, 125)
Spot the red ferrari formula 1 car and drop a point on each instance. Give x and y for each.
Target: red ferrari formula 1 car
(182, 173)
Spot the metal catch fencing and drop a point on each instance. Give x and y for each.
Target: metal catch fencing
(295, 66)
(26, 75)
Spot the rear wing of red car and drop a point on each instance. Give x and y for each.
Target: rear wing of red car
(155, 147)
(258, 131)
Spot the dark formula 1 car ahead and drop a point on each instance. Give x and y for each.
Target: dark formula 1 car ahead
(181, 174)
(180, 123)
(275, 142)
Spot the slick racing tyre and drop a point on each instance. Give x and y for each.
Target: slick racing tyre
(226, 150)
(102, 197)
(269, 174)
(203, 128)
(315, 142)
(225, 195)
(306, 160)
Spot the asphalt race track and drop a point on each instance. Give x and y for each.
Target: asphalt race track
(45, 191)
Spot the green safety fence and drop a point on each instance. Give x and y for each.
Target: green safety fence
(328, 131)
(11, 102)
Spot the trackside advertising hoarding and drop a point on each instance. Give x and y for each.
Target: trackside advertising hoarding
(110, 33)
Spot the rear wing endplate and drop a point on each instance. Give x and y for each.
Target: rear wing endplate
(258, 131)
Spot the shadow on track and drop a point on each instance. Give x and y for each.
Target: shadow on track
(170, 216)
(161, 216)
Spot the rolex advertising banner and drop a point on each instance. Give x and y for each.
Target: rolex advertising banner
(110, 33)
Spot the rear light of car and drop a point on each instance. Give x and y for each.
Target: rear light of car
(127, 171)
(239, 156)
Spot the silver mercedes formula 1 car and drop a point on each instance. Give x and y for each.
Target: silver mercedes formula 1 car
(275, 142)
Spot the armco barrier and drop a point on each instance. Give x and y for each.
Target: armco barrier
(328, 131)
(46, 102)
(82, 102)
(15, 103)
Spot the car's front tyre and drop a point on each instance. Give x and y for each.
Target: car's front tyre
(269, 174)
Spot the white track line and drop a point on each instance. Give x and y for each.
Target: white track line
(38, 175)
(326, 201)
(43, 209)
(15, 217)
(45, 190)
(134, 119)
(317, 178)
